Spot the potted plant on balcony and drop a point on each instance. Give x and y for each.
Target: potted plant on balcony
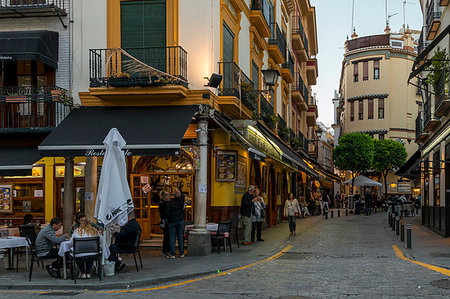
(270, 120)
(121, 80)
(142, 81)
(158, 81)
(439, 66)
(284, 134)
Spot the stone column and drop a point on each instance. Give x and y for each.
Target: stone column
(199, 238)
(90, 187)
(69, 200)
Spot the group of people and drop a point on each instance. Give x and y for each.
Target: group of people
(403, 205)
(47, 240)
(253, 212)
(171, 212)
(363, 203)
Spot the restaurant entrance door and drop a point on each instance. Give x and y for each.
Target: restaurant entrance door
(160, 173)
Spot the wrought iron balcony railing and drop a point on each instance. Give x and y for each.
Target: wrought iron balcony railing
(298, 83)
(32, 8)
(289, 64)
(433, 14)
(426, 111)
(138, 66)
(423, 43)
(32, 108)
(419, 125)
(266, 107)
(277, 38)
(264, 6)
(442, 102)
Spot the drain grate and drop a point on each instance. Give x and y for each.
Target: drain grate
(60, 294)
(440, 254)
(442, 284)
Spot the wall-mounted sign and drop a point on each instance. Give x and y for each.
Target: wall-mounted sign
(226, 166)
(5, 198)
(241, 175)
(78, 171)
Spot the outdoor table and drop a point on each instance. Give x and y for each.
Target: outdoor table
(212, 227)
(65, 246)
(11, 243)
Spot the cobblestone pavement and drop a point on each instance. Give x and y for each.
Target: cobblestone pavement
(346, 257)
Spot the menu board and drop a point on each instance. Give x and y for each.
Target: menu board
(226, 166)
(5, 198)
(241, 176)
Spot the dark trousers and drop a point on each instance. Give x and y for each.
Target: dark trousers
(85, 267)
(256, 225)
(291, 220)
(166, 241)
(54, 253)
(114, 249)
(176, 231)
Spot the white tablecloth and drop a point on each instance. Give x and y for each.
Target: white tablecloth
(212, 227)
(12, 242)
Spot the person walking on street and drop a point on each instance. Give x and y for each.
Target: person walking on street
(175, 212)
(337, 199)
(162, 207)
(291, 210)
(259, 212)
(326, 202)
(246, 214)
(368, 202)
(357, 199)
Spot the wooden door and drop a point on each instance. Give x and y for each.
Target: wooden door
(142, 209)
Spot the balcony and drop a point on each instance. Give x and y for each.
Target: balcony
(443, 2)
(31, 8)
(442, 102)
(287, 70)
(267, 113)
(430, 123)
(433, 20)
(236, 89)
(260, 16)
(312, 71)
(311, 115)
(298, 93)
(299, 39)
(30, 109)
(423, 43)
(277, 44)
(421, 136)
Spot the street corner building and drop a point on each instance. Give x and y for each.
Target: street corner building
(210, 97)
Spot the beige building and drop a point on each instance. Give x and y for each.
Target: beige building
(375, 97)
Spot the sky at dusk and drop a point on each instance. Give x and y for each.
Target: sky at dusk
(334, 19)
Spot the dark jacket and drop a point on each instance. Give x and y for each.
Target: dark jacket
(127, 235)
(368, 197)
(162, 207)
(247, 204)
(175, 209)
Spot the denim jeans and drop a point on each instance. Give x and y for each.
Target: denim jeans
(176, 230)
(291, 220)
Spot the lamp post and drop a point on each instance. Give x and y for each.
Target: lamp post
(319, 135)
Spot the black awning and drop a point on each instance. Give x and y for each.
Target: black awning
(40, 45)
(288, 155)
(18, 161)
(148, 131)
(411, 168)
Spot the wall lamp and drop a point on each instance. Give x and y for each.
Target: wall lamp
(214, 81)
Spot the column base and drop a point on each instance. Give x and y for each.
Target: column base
(199, 243)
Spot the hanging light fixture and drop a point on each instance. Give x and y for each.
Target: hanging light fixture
(270, 77)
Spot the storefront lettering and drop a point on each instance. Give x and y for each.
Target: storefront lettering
(5, 57)
(102, 152)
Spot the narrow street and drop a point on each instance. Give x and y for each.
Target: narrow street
(341, 257)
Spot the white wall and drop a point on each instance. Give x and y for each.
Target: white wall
(89, 32)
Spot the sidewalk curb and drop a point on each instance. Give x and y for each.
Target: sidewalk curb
(115, 286)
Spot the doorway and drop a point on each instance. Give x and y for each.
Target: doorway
(272, 186)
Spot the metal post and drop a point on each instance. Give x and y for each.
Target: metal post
(332, 214)
(199, 242)
(402, 231)
(397, 228)
(68, 204)
(339, 212)
(91, 187)
(408, 235)
(346, 212)
(326, 215)
(393, 223)
(389, 219)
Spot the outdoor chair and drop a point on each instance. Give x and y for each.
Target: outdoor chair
(223, 233)
(35, 257)
(134, 249)
(27, 231)
(86, 250)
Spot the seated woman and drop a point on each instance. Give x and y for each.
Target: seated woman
(98, 226)
(84, 230)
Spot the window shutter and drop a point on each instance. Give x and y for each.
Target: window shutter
(352, 111)
(365, 70)
(255, 76)
(370, 115)
(376, 64)
(381, 103)
(361, 109)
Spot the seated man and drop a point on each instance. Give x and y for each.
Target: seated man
(124, 241)
(45, 245)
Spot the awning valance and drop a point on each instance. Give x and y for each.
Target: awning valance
(18, 161)
(148, 131)
(411, 168)
(39, 45)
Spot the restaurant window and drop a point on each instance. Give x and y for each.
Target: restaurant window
(376, 69)
(361, 110)
(355, 72)
(381, 108)
(352, 111)
(370, 112)
(30, 73)
(365, 70)
(436, 177)
(380, 136)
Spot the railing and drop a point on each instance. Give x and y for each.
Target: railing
(441, 94)
(306, 95)
(298, 83)
(426, 111)
(419, 125)
(31, 3)
(277, 38)
(289, 64)
(281, 122)
(305, 144)
(432, 14)
(249, 99)
(266, 107)
(423, 43)
(105, 64)
(32, 108)
(292, 134)
(264, 6)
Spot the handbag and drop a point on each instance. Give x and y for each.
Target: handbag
(163, 223)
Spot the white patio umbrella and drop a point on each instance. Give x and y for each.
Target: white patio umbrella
(114, 200)
(362, 181)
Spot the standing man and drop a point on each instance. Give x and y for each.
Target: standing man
(246, 213)
(175, 219)
(368, 201)
(337, 199)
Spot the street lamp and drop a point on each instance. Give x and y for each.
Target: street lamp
(318, 134)
(270, 77)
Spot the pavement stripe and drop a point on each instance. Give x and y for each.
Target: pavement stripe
(275, 256)
(400, 255)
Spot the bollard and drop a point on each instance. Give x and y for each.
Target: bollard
(408, 235)
(389, 219)
(326, 215)
(332, 213)
(346, 212)
(402, 232)
(397, 227)
(393, 223)
(339, 213)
